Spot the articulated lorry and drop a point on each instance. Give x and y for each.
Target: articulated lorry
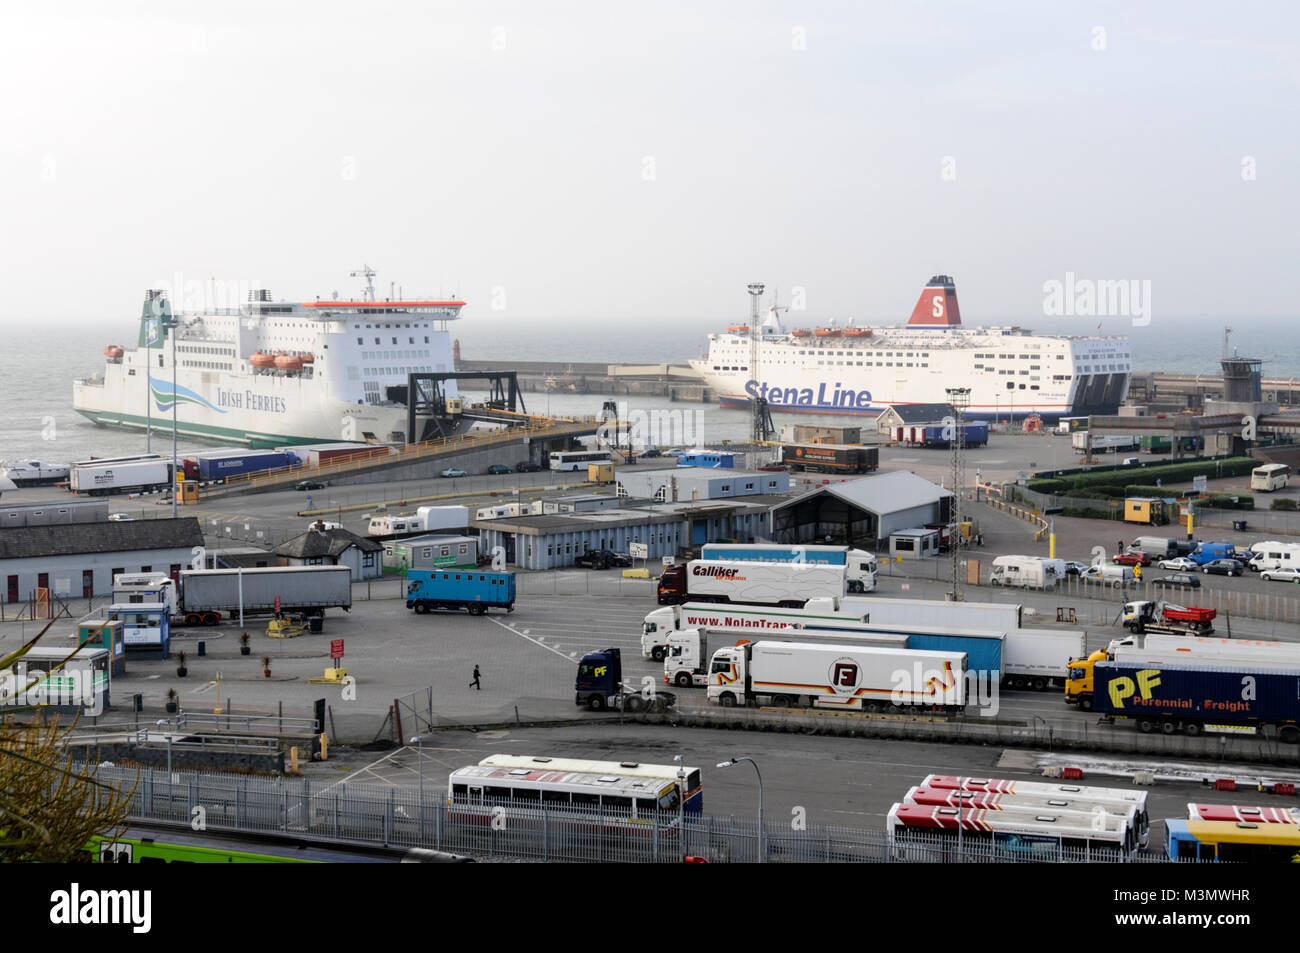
(1034, 659)
(204, 595)
(788, 585)
(1082, 687)
(862, 565)
(1165, 617)
(848, 614)
(122, 475)
(1230, 696)
(837, 676)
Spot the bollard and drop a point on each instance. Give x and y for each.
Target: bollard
(203, 648)
(138, 700)
(324, 746)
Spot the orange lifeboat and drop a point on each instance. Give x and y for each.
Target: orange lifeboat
(287, 362)
(261, 360)
(857, 332)
(114, 352)
(828, 332)
(802, 333)
(739, 329)
(308, 358)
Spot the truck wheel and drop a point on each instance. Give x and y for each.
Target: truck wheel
(728, 700)
(421, 608)
(782, 701)
(683, 680)
(1146, 726)
(1192, 729)
(1085, 703)
(193, 618)
(1040, 684)
(596, 702)
(1169, 727)
(477, 609)
(657, 653)
(1289, 735)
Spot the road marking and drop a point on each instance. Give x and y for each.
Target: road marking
(543, 645)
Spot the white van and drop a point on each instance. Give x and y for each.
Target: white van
(1027, 572)
(1275, 556)
(1157, 547)
(1109, 574)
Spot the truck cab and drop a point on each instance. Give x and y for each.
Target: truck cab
(686, 658)
(600, 675)
(726, 676)
(1079, 679)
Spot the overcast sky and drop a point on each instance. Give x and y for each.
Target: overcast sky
(549, 160)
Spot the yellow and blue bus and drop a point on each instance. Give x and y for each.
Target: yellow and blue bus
(1231, 841)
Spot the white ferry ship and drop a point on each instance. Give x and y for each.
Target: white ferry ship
(273, 373)
(1011, 372)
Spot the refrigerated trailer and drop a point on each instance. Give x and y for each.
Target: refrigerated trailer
(205, 595)
(753, 583)
(861, 565)
(105, 478)
(844, 677)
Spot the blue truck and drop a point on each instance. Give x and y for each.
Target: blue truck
(1191, 698)
(716, 460)
(476, 592)
(973, 434)
(222, 464)
(599, 685)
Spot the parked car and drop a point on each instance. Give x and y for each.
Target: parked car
(1179, 580)
(1075, 569)
(1180, 563)
(309, 485)
(1131, 559)
(498, 468)
(527, 466)
(120, 517)
(454, 472)
(1222, 567)
(602, 559)
(1268, 575)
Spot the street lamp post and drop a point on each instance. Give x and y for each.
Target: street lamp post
(762, 854)
(419, 757)
(681, 797)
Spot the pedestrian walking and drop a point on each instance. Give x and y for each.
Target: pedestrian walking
(1119, 547)
(475, 683)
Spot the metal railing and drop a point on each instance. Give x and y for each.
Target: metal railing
(197, 721)
(365, 458)
(386, 816)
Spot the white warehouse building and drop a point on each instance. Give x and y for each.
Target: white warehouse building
(79, 560)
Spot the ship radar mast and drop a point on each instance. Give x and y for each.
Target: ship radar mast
(368, 273)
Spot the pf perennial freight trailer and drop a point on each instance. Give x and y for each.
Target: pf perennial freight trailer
(862, 565)
(1194, 698)
(472, 590)
(772, 584)
(845, 677)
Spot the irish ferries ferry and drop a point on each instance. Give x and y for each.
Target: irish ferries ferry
(850, 369)
(271, 373)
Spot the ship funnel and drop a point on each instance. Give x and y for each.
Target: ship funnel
(937, 306)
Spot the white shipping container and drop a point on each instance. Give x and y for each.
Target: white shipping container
(99, 478)
(1042, 652)
(849, 675)
(972, 615)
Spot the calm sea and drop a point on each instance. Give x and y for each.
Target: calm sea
(37, 420)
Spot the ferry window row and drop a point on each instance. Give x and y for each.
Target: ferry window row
(393, 355)
(384, 371)
(362, 341)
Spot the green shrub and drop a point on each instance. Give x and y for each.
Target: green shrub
(1283, 504)
(1046, 486)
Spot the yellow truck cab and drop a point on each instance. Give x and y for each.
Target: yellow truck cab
(1078, 680)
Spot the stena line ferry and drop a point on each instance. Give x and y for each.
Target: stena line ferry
(273, 373)
(859, 370)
